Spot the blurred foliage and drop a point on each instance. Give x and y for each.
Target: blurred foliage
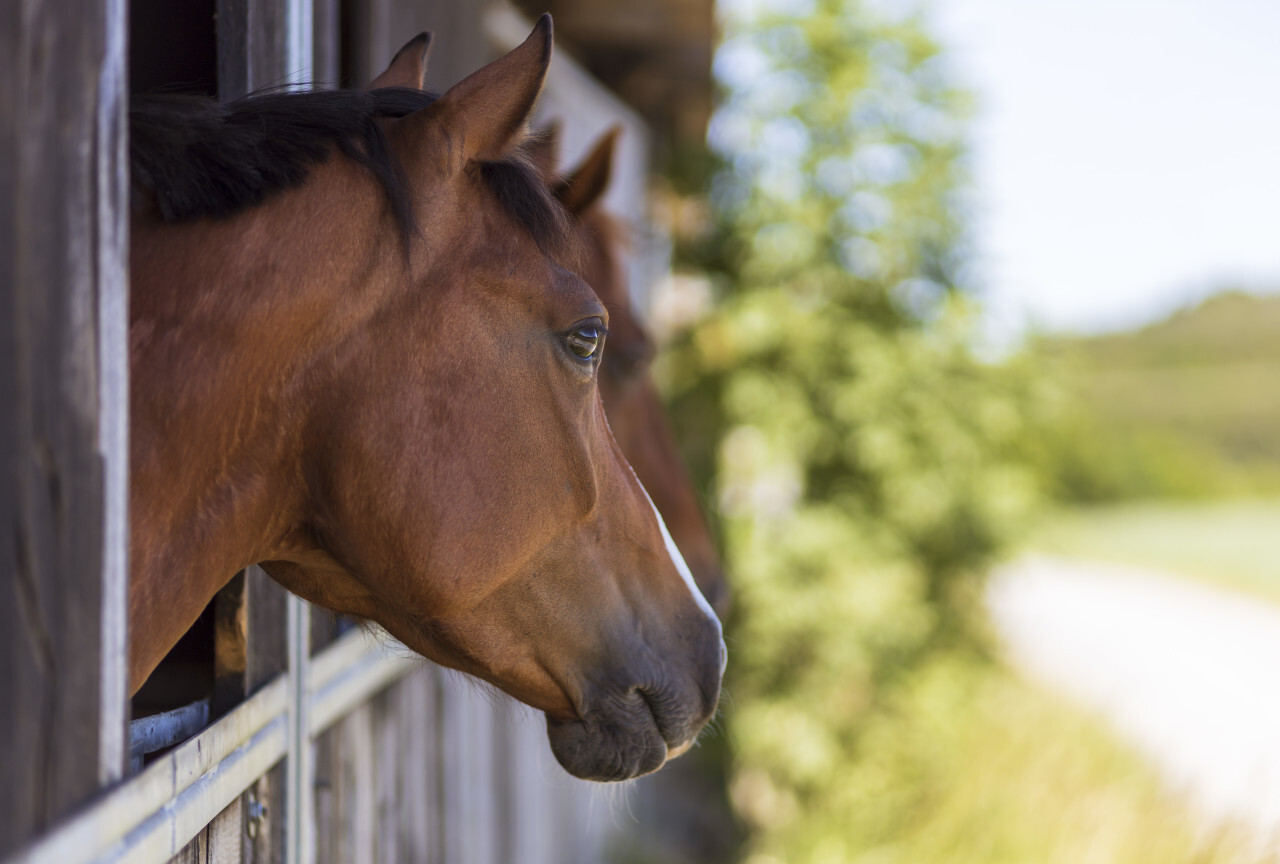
(868, 461)
(1183, 408)
(968, 765)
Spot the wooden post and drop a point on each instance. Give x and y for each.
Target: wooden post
(252, 53)
(379, 28)
(63, 295)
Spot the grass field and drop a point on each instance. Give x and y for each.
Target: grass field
(1234, 543)
(1037, 779)
(1019, 776)
(1186, 407)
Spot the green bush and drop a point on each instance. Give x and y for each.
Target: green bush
(868, 463)
(1090, 460)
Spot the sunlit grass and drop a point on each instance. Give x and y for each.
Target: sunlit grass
(1231, 543)
(1018, 776)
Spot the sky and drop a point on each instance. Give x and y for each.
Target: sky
(1125, 154)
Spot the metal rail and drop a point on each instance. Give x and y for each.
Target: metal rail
(151, 817)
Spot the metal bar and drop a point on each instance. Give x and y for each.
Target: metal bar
(158, 731)
(299, 51)
(351, 670)
(350, 647)
(152, 814)
(113, 388)
(171, 828)
(299, 43)
(299, 846)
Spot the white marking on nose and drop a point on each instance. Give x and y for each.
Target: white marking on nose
(678, 560)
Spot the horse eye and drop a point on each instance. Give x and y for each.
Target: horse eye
(585, 341)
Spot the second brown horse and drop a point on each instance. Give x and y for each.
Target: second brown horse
(634, 407)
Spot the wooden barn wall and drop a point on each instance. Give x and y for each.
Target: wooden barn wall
(434, 768)
(439, 769)
(62, 450)
(376, 29)
(254, 51)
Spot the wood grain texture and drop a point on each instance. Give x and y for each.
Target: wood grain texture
(219, 843)
(377, 30)
(378, 795)
(251, 637)
(59, 132)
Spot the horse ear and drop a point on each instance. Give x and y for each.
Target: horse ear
(408, 68)
(543, 150)
(587, 183)
(484, 114)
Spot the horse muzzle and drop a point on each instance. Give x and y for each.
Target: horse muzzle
(623, 732)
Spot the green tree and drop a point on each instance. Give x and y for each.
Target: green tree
(868, 463)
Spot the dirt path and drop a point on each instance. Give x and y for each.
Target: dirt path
(1187, 673)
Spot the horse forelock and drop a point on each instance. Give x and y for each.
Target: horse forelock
(524, 194)
(191, 157)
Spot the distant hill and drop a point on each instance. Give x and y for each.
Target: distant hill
(1231, 327)
(1190, 404)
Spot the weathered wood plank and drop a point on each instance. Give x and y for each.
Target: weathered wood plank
(60, 122)
(219, 842)
(327, 43)
(377, 778)
(252, 46)
(266, 841)
(387, 731)
(417, 815)
(152, 816)
(379, 28)
(325, 758)
(357, 775)
(112, 270)
(230, 645)
(469, 806)
(252, 52)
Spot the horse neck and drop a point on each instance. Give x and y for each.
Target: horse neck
(230, 320)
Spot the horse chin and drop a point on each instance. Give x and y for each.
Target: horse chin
(619, 742)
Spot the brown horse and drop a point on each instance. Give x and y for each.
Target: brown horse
(631, 401)
(359, 356)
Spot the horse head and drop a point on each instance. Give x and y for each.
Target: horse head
(382, 385)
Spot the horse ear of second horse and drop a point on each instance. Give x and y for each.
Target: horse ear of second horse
(483, 116)
(408, 68)
(587, 184)
(543, 150)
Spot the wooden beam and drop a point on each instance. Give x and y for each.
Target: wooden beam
(62, 254)
(253, 52)
(379, 28)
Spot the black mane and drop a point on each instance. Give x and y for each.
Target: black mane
(193, 157)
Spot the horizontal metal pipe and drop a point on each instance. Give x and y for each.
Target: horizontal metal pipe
(151, 817)
(124, 813)
(352, 670)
